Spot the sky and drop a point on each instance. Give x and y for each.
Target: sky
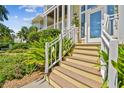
(21, 15)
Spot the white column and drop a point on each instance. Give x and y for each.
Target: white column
(57, 17)
(45, 22)
(63, 13)
(121, 23)
(54, 18)
(68, 16)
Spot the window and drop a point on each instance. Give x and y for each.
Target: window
(91, 6)
(110, 9)
(83, 25)
(82, 8)
(95, 25)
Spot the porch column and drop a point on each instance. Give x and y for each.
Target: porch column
(57, 17)
(45, 22)
(68, 16)
(121, 23)
(54, 18)
(63, 17)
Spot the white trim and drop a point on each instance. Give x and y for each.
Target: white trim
(54, 18)
(63, 17)
(80, 21)
(57, 17)
(68, 16)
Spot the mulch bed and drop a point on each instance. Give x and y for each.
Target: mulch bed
(25, 80)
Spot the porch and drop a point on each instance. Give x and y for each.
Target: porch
(75, 62)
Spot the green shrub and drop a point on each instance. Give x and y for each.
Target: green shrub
(34, 36)
(14, 64)
(4, 45)
(20, 46)
(29, 68)
(119, 66)
(2, 77)
(17, 51)
(14, 67)
(37, 50)
(66, 45)
(105, 57)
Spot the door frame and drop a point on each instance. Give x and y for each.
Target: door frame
(88, 23)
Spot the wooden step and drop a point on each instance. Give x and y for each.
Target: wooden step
(82, 63)
(82, 44)
(83, 73)
(81, 59)
(84, 68)
(71, 80)
(86, 57)
(82, 79)
(53, 84)
(60, 81)
(86, 52)
(93, 48)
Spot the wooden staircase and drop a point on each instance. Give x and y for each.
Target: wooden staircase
(78, 70)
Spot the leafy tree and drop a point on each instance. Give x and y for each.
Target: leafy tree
(5, 33)
(3, 13)
(33, 29)
(23, 34)
(34, 36)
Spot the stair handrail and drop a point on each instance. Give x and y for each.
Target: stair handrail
(110, 46)
(54, 49)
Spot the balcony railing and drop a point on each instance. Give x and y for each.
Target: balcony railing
(59, 25)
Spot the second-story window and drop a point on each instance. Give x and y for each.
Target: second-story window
(112, 9)
(82, 8)
(91, 6)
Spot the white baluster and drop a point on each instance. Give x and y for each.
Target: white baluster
(46, 57)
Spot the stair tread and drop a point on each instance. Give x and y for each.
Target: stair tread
(60, 81)
(84, 68)
(86, 57)
(79, 78)
(82, 59)
(82, 63)
(87, 47)
(87, 52)
(81, 44)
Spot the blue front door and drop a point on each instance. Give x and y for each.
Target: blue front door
(94, 25)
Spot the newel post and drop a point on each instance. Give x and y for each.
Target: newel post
(113, 55)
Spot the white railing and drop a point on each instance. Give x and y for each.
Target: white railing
(59, 25)
(110, 46)
(57, 49)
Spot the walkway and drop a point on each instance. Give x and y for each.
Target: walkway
(38, 84)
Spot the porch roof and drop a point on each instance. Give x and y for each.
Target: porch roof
(38, 19)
